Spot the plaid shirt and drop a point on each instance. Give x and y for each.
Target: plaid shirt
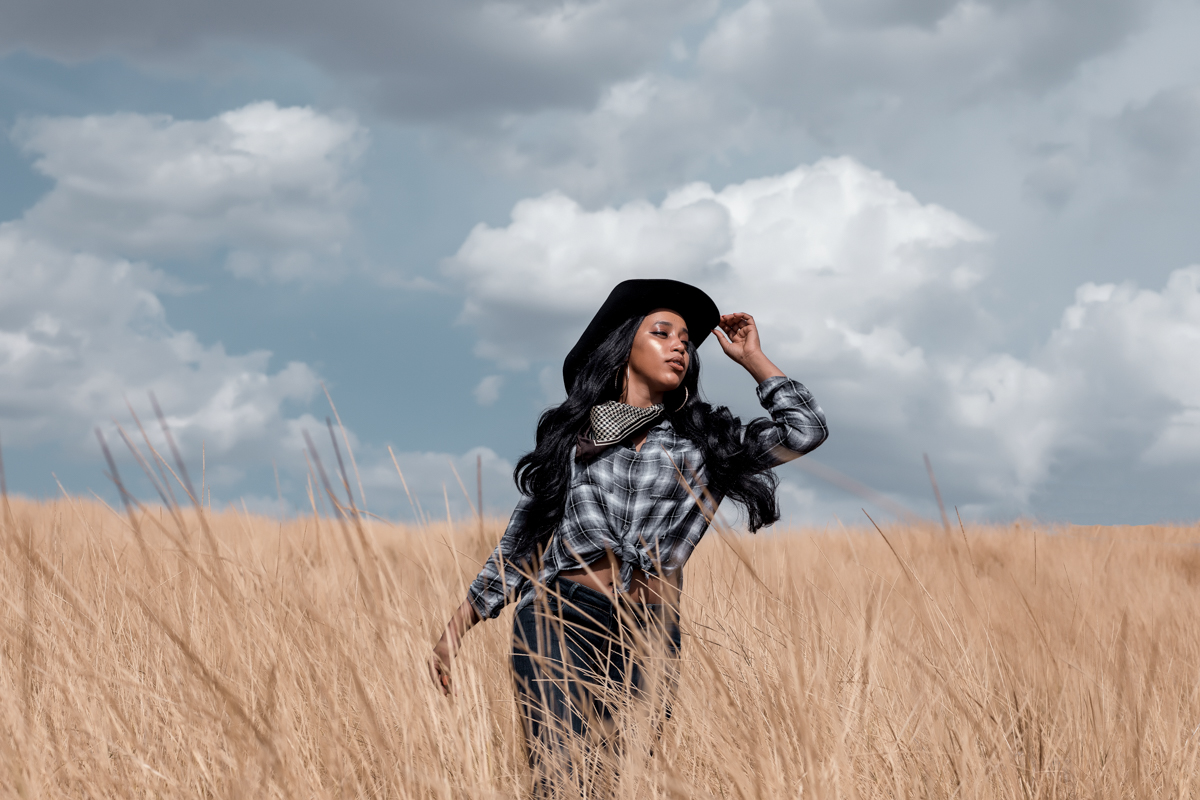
(631, 503)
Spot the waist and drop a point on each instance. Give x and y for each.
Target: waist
(602, 576)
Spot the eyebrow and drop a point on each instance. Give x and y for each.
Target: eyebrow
(670, 324)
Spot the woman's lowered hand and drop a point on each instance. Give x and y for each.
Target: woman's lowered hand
(440, 660)
(439, 666)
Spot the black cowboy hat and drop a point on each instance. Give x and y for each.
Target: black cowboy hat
(635, 298)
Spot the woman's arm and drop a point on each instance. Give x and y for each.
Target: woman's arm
(465, 618)
(498, 582)
(797, 423)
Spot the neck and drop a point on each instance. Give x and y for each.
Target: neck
(637, 393)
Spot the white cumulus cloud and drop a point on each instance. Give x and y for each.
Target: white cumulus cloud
(80, 333)
(875, 300)
(270, 189)
(834, 256)
(82, 327)
(1130, 356)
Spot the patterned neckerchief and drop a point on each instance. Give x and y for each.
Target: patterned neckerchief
(613, 421)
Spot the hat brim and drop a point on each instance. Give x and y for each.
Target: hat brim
(636, 298)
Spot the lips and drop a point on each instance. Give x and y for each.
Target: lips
(676, 363)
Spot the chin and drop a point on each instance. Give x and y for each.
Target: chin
(671, 384)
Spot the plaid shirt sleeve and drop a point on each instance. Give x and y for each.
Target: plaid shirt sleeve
(501, 579)
(798, 423)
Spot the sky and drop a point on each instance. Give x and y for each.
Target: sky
(968, 226)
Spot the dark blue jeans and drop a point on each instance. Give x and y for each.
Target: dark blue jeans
(580, 661)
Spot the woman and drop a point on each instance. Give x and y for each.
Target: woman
(622, 484)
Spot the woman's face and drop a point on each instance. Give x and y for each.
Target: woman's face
(659, 356)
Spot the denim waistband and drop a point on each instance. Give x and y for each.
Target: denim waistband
(581, 595)
(584, 596)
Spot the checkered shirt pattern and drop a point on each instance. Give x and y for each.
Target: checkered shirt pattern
(631, 503)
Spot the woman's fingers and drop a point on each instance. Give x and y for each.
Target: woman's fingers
(440, 673)
(729, 342)
(735, 324)
(731, 348)
(431, 664)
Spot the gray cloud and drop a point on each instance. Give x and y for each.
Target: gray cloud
(417, 58)
(579, 97)
(876, 13)
(641, 135)
(1055, 175)
(1164, 132)
(795, 53)
(936, 91)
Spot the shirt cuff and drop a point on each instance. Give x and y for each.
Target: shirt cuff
(771, 385)
(486, 600)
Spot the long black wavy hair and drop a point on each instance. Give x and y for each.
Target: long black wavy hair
(544, 473)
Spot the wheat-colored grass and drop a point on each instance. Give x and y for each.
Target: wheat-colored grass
(269, 659)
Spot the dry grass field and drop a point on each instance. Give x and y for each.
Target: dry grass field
(246, 657)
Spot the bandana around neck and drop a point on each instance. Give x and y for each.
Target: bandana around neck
(613, 421)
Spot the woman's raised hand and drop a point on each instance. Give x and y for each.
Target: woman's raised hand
(738, 337)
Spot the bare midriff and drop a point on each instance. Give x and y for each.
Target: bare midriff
(603, 574)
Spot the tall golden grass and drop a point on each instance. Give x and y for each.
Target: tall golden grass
(144, 657)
